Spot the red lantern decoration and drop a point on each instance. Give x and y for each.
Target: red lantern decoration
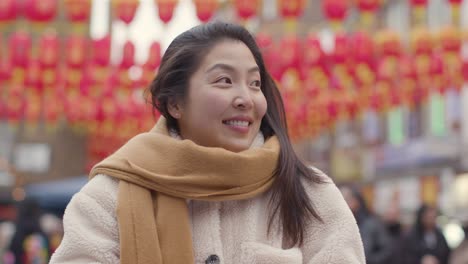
(315, 71)
(369, 5)
(270, 52)
(20, 49)
(419, 3)
(33, 107)
(151, 64)
(363, 48)
(422, 41)
(32, 80)
(125, 9)
(313, 52)
(455, 5)
(53, 109)
(78, 11)
(101, 51)
(205, 9)
(9, 10)
(76, 47)
(363, 61)
(368, 8)
(450, 41)
(99, 64)
(19, 55)
(128, 55)
(291, 8)
(40, 11)
(419, 10)
(166, 9)
(246, 9)
(154, 57)
(15, 104)
(335, 10)
(291, 53)
(48, 59)
(49, 46)
(388, 44)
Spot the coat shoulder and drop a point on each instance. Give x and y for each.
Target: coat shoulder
(336, 230)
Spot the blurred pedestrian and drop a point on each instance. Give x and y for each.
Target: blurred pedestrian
(29, 244)
(392, 222)
(375, 238)
(425, 243)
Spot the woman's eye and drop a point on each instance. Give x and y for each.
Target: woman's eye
(224, 80)
(256, 83)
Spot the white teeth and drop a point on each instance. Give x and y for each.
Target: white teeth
(237, 123)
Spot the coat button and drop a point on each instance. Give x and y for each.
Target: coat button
(213, 259)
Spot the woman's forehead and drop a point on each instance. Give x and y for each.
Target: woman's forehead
(228, 55)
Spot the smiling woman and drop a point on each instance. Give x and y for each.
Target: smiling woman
(224, 106)
(216, 180)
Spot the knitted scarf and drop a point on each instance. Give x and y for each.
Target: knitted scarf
(158, 173)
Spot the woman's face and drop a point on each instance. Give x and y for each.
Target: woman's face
(224, 105)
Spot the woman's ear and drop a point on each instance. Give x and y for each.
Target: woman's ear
(175, 108)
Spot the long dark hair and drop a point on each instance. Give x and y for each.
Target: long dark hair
(418, 224)
(181, 60)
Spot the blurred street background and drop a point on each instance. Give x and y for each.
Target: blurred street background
(376, 94)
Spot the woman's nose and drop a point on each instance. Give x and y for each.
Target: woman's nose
(243, 99)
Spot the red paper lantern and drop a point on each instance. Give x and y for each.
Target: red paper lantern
(419, 3)
(363, 48)
(49, 46)
(101, 51)
(40, 10)
(78, 11)
(450, 39)
(53, 109)
(422, 41)
(388, 44)
(291, 8)
(154, 57)
(270, 52)
(77, 47)
(151, 65)
(465, 70)
(290, 56)
(15, 104)
(369, 5)
(205, 9)
(419, 10)
(246, 8)
(341, 52)
(125, 9)
(166, 9)
(313, 52)
(32, 80)
(33, 107)
(20, 49)
(128, 55)
(9, 10)
(335, 10)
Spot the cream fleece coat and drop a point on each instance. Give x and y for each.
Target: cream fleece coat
(234, 231)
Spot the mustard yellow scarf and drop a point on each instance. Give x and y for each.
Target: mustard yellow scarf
(158, 173)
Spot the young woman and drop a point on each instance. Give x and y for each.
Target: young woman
(216, 180)
(426, 243)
